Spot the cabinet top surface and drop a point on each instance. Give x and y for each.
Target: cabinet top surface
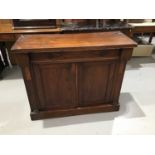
(66, 42)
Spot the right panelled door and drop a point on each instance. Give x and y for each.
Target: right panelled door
(96, 80)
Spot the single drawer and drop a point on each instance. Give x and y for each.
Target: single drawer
(75, 56)
(7, 37)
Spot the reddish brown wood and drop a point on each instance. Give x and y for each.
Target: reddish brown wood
(56, 85)
(24, 62)
(72, 42)
(73, 74)
(92, 86)
(36, 115)
(8, 33)
(7, 37)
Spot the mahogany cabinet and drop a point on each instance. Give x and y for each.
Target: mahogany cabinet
(70, 74)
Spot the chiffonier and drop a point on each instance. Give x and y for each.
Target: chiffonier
(71, 74)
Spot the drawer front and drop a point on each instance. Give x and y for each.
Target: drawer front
(7, 37)
(74, 56)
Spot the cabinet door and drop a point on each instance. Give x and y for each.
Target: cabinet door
(55, 85)
(95, 82)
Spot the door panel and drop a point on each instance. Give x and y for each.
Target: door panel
(55, 85)
(94, 87)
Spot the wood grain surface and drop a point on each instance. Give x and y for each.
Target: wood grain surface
(66, 42)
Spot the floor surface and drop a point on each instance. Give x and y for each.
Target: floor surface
(136, 115)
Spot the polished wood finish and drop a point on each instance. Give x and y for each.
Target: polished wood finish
(6, 27)
(57, 89)
(72, 42)
(91, 80)
(73, 74)
(9, 35)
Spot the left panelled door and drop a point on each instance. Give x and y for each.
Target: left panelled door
(55, 85)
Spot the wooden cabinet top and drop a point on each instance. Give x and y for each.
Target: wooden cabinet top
(71, 42)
